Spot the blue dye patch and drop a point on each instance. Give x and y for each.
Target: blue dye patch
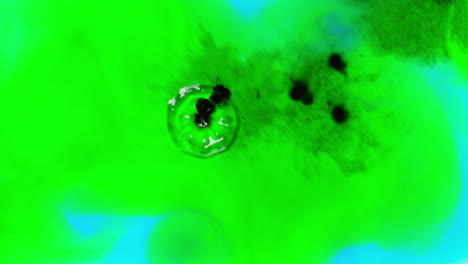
(338, 34)
(453, 247)
(367, 254)
(89, 225)
(248, 8)
(132, 245)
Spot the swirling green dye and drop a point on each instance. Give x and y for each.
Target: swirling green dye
(84, 127)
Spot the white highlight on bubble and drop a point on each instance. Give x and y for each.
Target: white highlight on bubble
(203, 124)
(215, 152)
(221, 122)
(172, 102)
(185, 90)
(213, 141)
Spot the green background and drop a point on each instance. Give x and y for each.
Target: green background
(83, 115)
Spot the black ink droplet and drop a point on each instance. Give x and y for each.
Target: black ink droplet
(336, 62)
(220, 94)
(204, 106)
(340, 114)
(298, 90)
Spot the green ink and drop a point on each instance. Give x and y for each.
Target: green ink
(86, 127)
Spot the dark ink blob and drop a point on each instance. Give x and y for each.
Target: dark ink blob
(202, 120)
(220, 94)
(308, 99)
(336, 62)
(298, 90)
(204, 106)
(340, 114)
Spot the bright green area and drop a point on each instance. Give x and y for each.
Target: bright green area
(83, 126)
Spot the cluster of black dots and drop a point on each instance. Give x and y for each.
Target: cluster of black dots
(206, 107)
(300, 90)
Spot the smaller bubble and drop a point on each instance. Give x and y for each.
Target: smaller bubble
(197, 126)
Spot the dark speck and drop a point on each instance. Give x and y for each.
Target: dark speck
(298, 90)
(340, 114)
(336, 62)
(204, 106)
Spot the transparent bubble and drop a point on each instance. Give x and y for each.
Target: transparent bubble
(199, 126)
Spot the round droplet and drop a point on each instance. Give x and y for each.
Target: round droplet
(197, 126)
(340, 114)
(336, 62)
(298, 90)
